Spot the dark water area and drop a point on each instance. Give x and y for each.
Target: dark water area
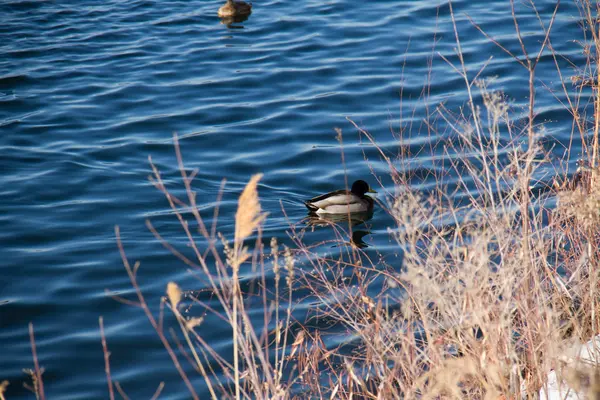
(89, 90)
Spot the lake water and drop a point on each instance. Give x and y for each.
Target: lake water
(89, 90)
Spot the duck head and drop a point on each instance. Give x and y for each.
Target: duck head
(361, 187)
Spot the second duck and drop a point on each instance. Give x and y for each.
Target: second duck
(233, 9)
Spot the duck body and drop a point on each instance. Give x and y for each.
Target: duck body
(234, 9)
(343, 201)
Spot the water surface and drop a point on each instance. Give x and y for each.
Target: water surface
(89, 90)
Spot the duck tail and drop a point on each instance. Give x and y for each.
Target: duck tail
(310, 206)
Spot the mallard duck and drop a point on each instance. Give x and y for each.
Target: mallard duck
(343, 201)
(234, 9)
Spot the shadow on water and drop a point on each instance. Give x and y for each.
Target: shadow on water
(229, 21)
(344, 221)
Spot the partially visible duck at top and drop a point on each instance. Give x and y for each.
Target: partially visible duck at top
(343, 201)
(235, 9)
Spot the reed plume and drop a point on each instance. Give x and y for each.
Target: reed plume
(248, 216)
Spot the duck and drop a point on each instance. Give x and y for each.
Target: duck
(234, 9)
(343, 201)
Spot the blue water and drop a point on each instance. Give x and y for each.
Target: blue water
(89, 90)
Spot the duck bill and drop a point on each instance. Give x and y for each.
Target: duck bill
(371, 191)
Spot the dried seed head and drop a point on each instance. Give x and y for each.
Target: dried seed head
(3, 387)
(248, 216)
(194, 322)
(174, 294)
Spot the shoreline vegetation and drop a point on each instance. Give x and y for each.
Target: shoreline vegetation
(495, 285)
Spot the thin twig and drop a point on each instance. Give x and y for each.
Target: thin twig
(111, 393)
(38, 372)
(150, 317)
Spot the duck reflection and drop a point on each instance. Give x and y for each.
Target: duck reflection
(229, 21)
(355, 219)
(357, 239)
